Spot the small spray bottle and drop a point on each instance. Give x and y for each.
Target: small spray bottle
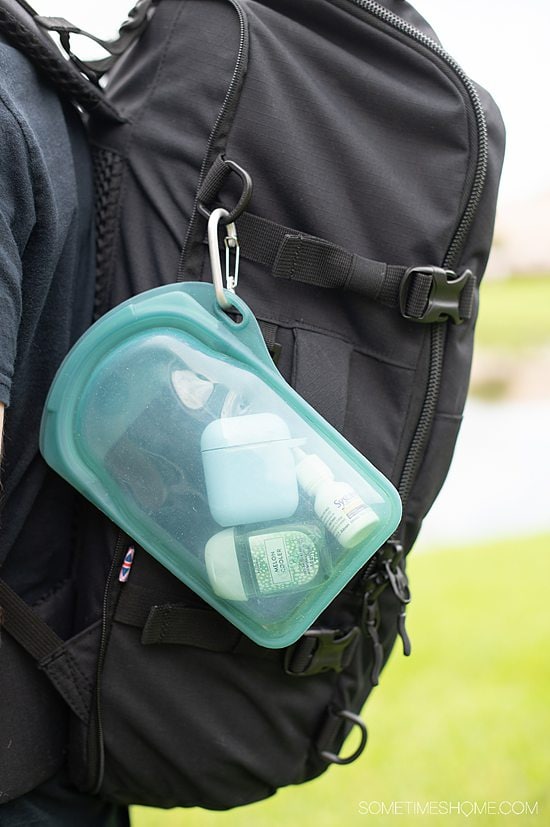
(337, 504)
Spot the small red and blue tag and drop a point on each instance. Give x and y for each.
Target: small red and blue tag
(124, 572)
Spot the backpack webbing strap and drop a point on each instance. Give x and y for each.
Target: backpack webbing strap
(47, 648)
(181, 625)
(24, 625)
(173, 622)
(319, 650)
(423, 294)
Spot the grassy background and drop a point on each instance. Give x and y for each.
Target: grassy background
(514, 312)
(466, 718)
(512, 344)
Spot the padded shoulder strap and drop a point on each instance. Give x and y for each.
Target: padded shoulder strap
(20, 29)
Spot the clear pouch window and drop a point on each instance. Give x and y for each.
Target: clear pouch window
(172, 419)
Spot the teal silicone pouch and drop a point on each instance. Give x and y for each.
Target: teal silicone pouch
(171, 418)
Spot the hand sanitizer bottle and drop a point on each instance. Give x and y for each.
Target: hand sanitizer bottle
(337, 504)
(267, 560)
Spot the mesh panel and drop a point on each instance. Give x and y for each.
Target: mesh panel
(108, 166)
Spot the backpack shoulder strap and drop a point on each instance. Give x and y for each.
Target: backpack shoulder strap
(20, 27)
(25, 626)
(48, 650)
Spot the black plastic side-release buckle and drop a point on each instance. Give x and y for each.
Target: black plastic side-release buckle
(320, 650)
(432, 294)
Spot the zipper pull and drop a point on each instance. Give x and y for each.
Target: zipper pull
(402, 631)
(399, 582)
(393, 564)
(126, 566)
(371, 621)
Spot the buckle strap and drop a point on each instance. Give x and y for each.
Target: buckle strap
(422, 293)
(432, 294)
(321, 650)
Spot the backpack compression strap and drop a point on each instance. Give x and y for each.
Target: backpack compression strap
(421, 293)
(318, 650)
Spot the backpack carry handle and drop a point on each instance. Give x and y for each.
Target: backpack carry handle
(18, 24)
(130, 30)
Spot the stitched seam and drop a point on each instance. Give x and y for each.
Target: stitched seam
(297, 252)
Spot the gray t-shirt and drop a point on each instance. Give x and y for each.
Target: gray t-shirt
(46, 298)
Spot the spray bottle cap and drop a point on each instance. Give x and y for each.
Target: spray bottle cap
(311, 471)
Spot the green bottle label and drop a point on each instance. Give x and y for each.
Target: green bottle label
(283, 561)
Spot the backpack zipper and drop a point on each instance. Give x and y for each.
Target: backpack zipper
(438, 331)
(377, 574)
(224, 115)
(97, 750)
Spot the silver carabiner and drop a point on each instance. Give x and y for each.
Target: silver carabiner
(231, 244)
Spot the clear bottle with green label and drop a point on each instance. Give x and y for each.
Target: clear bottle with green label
(269, 560)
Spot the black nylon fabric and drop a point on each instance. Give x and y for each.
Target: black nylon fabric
(170, 89)
(353, 134)
(34, 721)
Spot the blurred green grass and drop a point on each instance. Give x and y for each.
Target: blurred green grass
(466, 718)
(514, 312)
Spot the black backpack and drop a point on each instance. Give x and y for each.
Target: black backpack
(374, 162)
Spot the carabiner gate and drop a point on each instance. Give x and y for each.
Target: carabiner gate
(231, 244)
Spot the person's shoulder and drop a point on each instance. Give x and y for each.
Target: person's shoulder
(21, 85)
(17, 77)
(31, 114)
(16, 70)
